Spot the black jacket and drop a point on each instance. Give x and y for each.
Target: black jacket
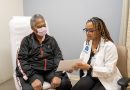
(34, 57)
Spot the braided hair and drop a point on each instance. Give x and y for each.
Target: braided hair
(101, 27)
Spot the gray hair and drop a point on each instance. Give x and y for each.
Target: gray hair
(34, 18)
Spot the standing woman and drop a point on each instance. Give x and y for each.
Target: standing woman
(98, 70)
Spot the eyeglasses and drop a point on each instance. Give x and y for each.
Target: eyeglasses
(87, 30)
(40, 25)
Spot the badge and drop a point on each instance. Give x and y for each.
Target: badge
(86, 49)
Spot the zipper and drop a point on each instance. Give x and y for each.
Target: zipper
(41, 51)
(44, 60)
(45, 64)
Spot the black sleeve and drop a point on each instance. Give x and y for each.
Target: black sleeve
(24, 65)
(57, 53)
(57, 57)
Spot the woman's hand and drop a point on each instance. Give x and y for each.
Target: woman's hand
(83, 66)
(37, 85)
(70, 70)
(56, 81)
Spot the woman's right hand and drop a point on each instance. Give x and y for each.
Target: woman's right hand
(83, 66)
(76, 66)
(70, 70)
(37, 85)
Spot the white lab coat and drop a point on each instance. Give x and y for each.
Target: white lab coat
(104, 64)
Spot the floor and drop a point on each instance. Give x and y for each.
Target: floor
(9, 85)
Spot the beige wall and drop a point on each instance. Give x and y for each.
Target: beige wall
(8, 8)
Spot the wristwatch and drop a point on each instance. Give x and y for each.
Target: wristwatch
(91, 68)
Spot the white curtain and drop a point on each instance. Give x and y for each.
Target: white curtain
(124, 22)
(128, 41)
(124, 38)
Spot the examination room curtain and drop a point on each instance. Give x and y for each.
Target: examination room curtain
(124, 37)
(124, 22)
(128, 39)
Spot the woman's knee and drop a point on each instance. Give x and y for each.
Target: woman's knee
(99, 86)
(84, 83)
(65, 85)
(27, 87)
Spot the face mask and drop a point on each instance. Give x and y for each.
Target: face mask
(42, 31)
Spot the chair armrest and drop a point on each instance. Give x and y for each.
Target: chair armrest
(124, 81)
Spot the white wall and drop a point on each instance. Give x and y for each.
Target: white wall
(66, 19)
(8, 8)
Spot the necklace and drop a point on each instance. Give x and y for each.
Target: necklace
(94, 50)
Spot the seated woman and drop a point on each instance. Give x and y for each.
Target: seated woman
(38, 58)
(99, 55)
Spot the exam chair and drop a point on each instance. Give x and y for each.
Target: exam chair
(122, 66)
(19, 28)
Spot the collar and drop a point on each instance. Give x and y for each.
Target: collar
(45, 40)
